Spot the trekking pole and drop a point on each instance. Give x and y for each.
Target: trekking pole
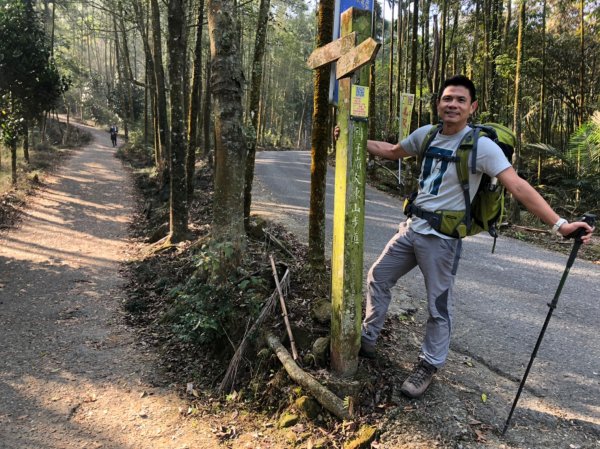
(589, 219)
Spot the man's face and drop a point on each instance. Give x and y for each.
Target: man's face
(455, 105)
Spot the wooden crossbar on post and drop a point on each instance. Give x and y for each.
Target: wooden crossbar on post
(349, 198)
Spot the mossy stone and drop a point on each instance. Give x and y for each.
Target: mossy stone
(287, 419)
(320, 443)
(366, 435)
(320, 350)
(308, 406)
(321, 311)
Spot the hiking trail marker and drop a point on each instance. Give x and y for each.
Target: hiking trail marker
(349, 196)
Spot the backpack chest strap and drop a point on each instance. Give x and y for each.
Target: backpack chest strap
(442, 157)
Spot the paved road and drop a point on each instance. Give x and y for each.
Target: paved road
(501, 298)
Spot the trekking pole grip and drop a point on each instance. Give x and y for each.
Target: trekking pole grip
(587, 218)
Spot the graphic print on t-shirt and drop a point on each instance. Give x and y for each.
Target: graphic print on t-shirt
(433, 170)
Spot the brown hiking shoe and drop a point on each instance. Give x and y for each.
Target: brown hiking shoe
(367, 349)
(418, 381)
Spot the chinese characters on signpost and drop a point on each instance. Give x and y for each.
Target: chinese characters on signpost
(407, 102)
(359, 103)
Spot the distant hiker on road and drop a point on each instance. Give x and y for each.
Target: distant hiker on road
(113, 135)
(417, 243)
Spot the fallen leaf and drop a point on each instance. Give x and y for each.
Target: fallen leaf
(480, 436)
(483, 397)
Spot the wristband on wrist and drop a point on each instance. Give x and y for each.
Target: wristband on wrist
(558, 224)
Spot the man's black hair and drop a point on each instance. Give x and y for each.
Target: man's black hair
(461, 80)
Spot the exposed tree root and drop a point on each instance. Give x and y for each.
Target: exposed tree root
(325, 397)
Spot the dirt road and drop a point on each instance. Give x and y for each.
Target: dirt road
(71, 374)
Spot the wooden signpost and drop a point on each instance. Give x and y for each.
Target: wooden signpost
(349, 197)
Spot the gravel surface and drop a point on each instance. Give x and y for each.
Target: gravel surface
(71, 373)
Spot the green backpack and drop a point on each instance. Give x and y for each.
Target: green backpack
(487, 207)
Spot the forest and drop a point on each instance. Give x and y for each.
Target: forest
(188, 79)
(217, 80)
(198, 87)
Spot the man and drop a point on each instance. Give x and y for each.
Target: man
(436, 254)
(113, 135)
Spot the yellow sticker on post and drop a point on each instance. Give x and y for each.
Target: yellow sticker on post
(359, 103)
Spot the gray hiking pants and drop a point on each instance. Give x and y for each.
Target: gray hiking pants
(437, 258)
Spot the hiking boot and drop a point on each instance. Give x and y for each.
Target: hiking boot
(418, 381)
(367, 350)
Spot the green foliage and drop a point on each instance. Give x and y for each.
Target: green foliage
(117, 102)
(571, 178)
(11, 125)
(29, 81)
(206, 313)
(584, 148)
(94, 91)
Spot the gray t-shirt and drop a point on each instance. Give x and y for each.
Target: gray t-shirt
(439, 187)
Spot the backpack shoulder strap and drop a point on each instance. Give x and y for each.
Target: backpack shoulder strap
(433, 131)
(467, 145)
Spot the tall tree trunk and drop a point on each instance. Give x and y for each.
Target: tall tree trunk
(206, 105)
(163, 133)
(494, 51)
(426, 52)
(582, 63)
(26, 141)
(255, 94)
(443, 49)
(178, 193)
(434, 73)
(301, 141)
(542, 127)
(507, 25)
(515, 213)
(195, 104)
(484, 93)
(413, 47)
(143, 25)
(120, 65)
(13, 160)
(424, 21)
(391, 119)
(399, 58)
(475, 44)
(127, 74)
(230, 144)
(319, 143)
(581, 111)
(414, 56)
